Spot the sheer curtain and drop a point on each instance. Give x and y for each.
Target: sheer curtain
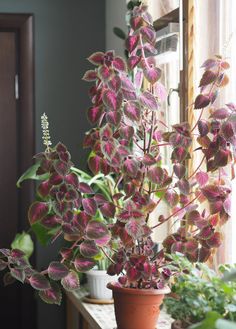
(170, 78)
(228, 47)
(215, 27)
(159, 8)
(214, 32)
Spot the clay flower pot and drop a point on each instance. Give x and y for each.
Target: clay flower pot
(137, 308)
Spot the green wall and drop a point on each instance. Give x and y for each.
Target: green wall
(66, 32)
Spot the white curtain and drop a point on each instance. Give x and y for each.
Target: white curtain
(214, 33)
(215, 29)
(159, 8)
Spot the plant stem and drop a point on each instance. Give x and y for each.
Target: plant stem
(151, 132)
(95, 178)
(29, 230)
(219, 177)
(81, 172)
(106, 254)
(118, 181)
(175, 212)
(152, 127)
(197, 168)
(101, 119)
(138, 145)
(144, 139)
(163, 123)
(144, 167)
(164, 144)
(159, 190)
(142, 50)
(56, 236)
(199, 118)
(143, 178)
(75, 244)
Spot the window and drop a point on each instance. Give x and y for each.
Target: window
(215, 33)
(168, 61)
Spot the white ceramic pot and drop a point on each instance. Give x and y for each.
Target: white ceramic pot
(97, 284)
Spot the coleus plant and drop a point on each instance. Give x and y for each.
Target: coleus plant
(126, 142)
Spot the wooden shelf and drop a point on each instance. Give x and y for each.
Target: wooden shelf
(82, 315)
(171, 17)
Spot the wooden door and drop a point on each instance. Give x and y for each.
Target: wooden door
(17, 301)
(9, 201)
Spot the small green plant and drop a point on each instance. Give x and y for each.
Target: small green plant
(214, 321)
(201, 294)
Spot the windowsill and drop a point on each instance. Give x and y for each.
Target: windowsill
(99, 316)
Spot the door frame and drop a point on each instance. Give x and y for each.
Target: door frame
(23, 25)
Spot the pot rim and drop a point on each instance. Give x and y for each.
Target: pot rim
(133, 291)
(97, 272)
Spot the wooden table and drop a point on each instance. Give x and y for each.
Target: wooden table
(81, 315)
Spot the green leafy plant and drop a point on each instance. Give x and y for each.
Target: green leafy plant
(24, 243)
(200, 294)
(213, 321)
(126, 144)
(105, 185)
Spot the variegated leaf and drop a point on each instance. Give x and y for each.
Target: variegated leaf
(132, 110)
(88, 248)
(52, 295)
(96, 58)
(37, 211)
(71, 281)
(134, 229)
(90, 206)
(57, 271)
(149, 101)
(131, 167)
(90, 75)
(152, 74)
(131, 42)
(83, 264)
(119, 64)
(96, 230)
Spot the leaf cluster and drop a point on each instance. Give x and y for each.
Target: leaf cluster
(199, 292)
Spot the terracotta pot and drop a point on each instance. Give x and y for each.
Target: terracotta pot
(137, 308)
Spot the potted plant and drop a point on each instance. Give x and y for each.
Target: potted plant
(214, 319)
(199, 291)
(98, 279)
(126, 142)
